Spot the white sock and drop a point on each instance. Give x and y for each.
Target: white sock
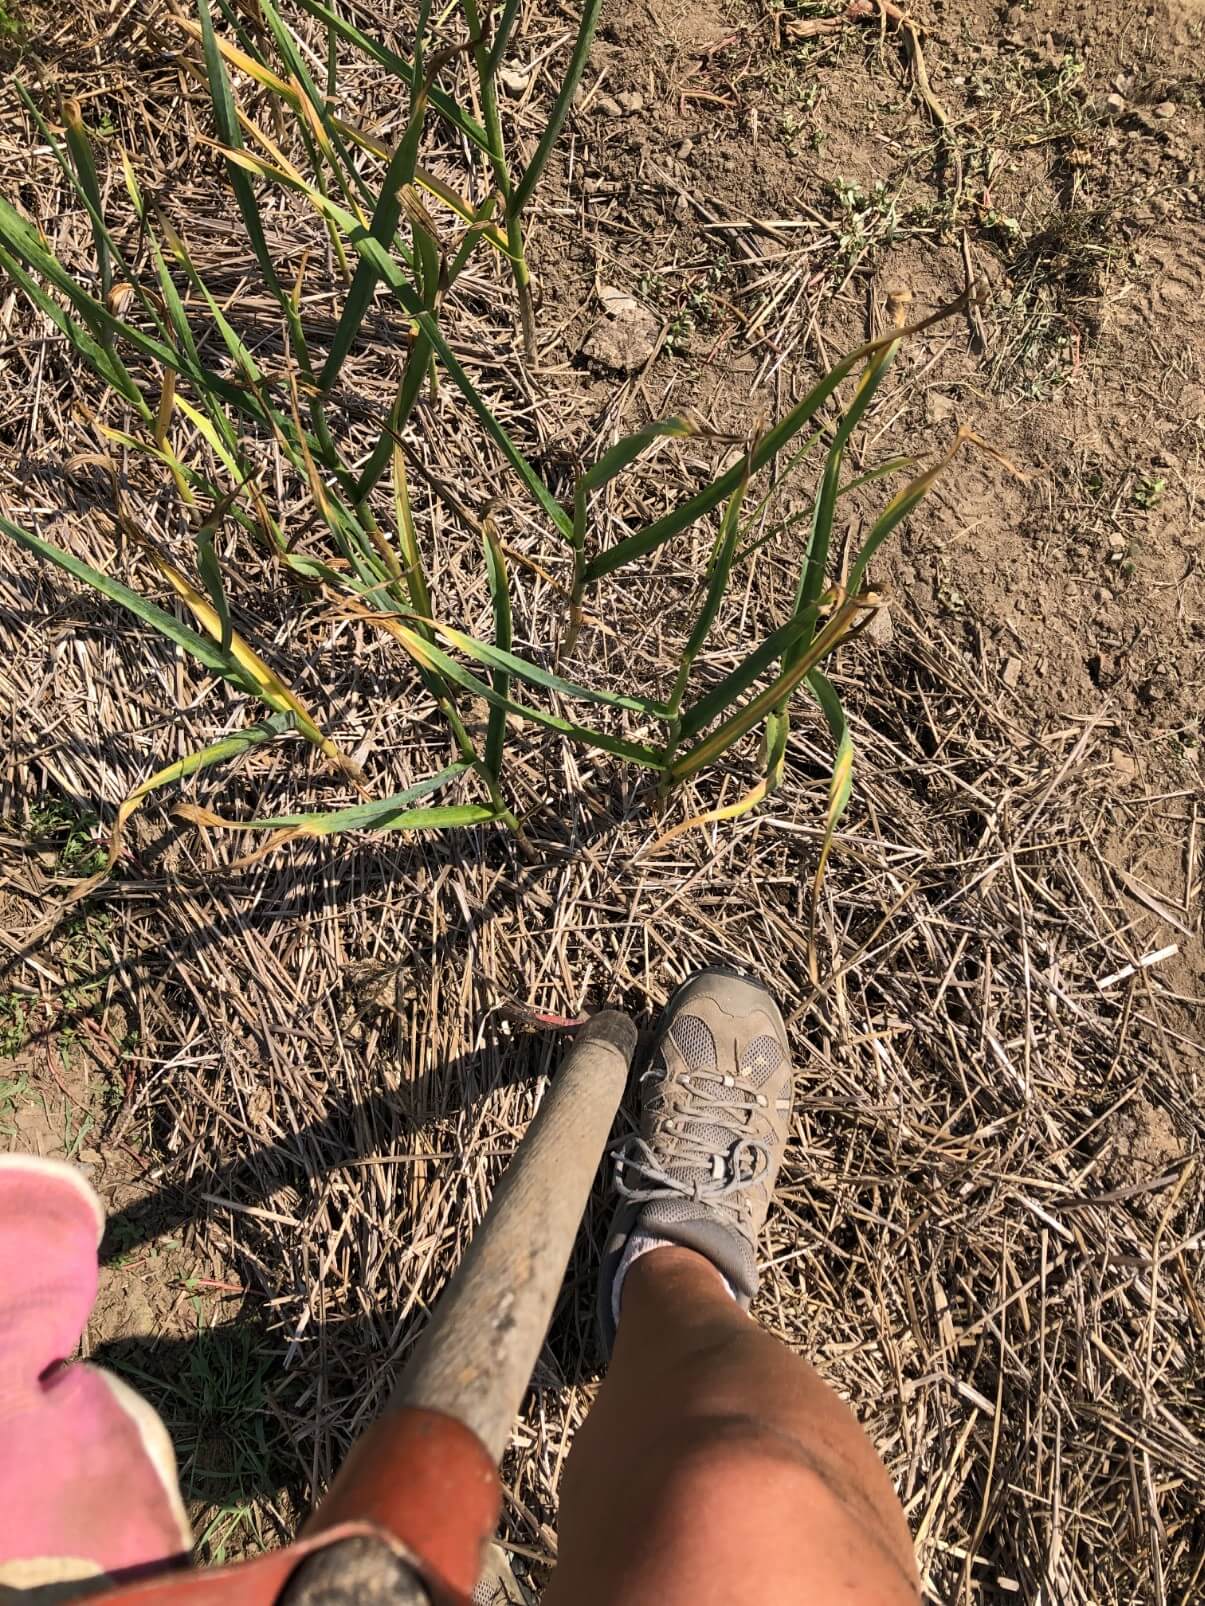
(640, 1243)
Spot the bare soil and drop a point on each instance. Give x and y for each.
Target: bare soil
(1070, 183)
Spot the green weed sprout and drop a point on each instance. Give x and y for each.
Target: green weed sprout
(137, 329)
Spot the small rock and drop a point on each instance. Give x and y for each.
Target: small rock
(1117, 541)
(1101, 669)
(1116, 104)
(880, 629)
(1102, 594)
(1125, 766)
(1011, 673)
(631, 100)
(513, 81)
(685, 149)
(1165, 108)
(608, 106)
(616, 303)
(625, 337)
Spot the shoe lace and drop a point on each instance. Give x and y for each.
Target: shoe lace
(692, 1149)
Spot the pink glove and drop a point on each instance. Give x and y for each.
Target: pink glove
(87, 1474)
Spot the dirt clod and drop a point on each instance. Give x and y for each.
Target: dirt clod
(512, 81)
(1146, 1142)
(625, 337)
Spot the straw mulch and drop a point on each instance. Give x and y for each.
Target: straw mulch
(990, 1217)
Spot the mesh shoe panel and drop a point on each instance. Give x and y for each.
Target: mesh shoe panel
(693, 1040)
(680, 1221)
(761, 1058)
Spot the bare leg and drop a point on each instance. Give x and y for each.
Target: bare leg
(717, 1467)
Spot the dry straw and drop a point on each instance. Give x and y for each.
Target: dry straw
(990, 1222)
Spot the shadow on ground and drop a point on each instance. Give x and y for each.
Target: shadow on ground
(228, 1402)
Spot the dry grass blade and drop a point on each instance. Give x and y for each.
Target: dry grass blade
(218, 752)
(262, 679)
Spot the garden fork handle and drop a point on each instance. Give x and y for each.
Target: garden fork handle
(426, 1473)
(416, 1502)
(475, 1358)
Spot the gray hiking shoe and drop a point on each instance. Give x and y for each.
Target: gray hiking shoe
(716, 1113)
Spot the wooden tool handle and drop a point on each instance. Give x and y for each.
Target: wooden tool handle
(476, 1355)
(425, 1475)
